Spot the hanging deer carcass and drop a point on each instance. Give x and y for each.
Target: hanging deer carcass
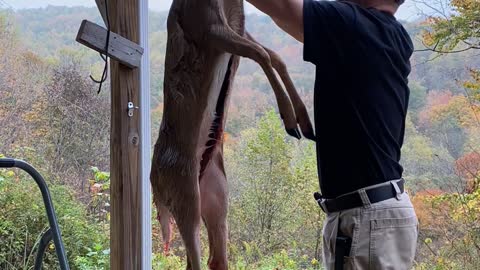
(205, 40)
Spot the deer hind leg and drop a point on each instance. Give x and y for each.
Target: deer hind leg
(180, 193)
(225, 39)
(298, 105)
(186, 212)
(214, 203)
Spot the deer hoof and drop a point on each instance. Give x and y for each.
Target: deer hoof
(310, 136)
(294, 133)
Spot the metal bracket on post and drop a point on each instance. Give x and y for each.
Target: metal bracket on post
(131, 108)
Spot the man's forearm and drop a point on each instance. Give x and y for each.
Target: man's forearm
(273, 8)
(298, 35)
(287, 14)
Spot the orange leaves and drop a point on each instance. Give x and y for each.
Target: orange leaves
(432, 20)
(424, 207)
(428, 38)
(465, 5)
(438, 98)
(468, 166)
(435, 99)
(443, 106)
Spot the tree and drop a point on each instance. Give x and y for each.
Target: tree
(418, 96)
(448, 120)
(76, 123)
(429, 166)
(264, 170)
(473, 86)
(271, 202)
(468, 168)
(454, 31)
(20, 86)
(306, 177)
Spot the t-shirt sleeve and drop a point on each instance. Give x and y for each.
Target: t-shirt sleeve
(325, 26)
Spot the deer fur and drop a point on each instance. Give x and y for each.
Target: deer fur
(205, 42)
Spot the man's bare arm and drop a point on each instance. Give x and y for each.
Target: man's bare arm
(287, 14)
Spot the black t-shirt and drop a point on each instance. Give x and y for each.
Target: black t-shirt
(361, 93)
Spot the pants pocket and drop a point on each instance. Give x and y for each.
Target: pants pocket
(393, 243)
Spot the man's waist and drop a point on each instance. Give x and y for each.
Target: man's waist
(368, 195)
(336, 183)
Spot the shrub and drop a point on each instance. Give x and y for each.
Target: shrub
(24, 220)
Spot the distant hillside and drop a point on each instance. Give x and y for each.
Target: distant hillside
(48, 30)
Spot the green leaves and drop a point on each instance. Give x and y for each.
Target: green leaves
(271, 180)
(460, 29)
(458, 32)
(23, 219)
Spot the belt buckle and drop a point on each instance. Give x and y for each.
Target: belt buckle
(321, 202)
(323, 205)
(398, 192)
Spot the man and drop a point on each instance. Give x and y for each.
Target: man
(361, 54)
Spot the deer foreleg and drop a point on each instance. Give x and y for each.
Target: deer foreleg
(225, 39)
(298, 105)
(164, 218)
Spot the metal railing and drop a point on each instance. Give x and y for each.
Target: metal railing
(54, 230)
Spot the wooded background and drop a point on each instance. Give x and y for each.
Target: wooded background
(51, 116)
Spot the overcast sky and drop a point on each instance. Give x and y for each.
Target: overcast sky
(406, 12)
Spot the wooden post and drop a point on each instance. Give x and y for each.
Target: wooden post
(101, 8)
(125, 163)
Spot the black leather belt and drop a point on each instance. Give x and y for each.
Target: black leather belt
(354, 200)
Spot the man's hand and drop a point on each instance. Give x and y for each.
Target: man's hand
(287, 14)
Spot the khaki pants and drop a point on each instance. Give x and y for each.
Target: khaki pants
(384, 234)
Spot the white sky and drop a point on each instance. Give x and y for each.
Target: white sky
(406, 12)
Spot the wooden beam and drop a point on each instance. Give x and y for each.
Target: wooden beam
(125, 158)
(121, 49)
